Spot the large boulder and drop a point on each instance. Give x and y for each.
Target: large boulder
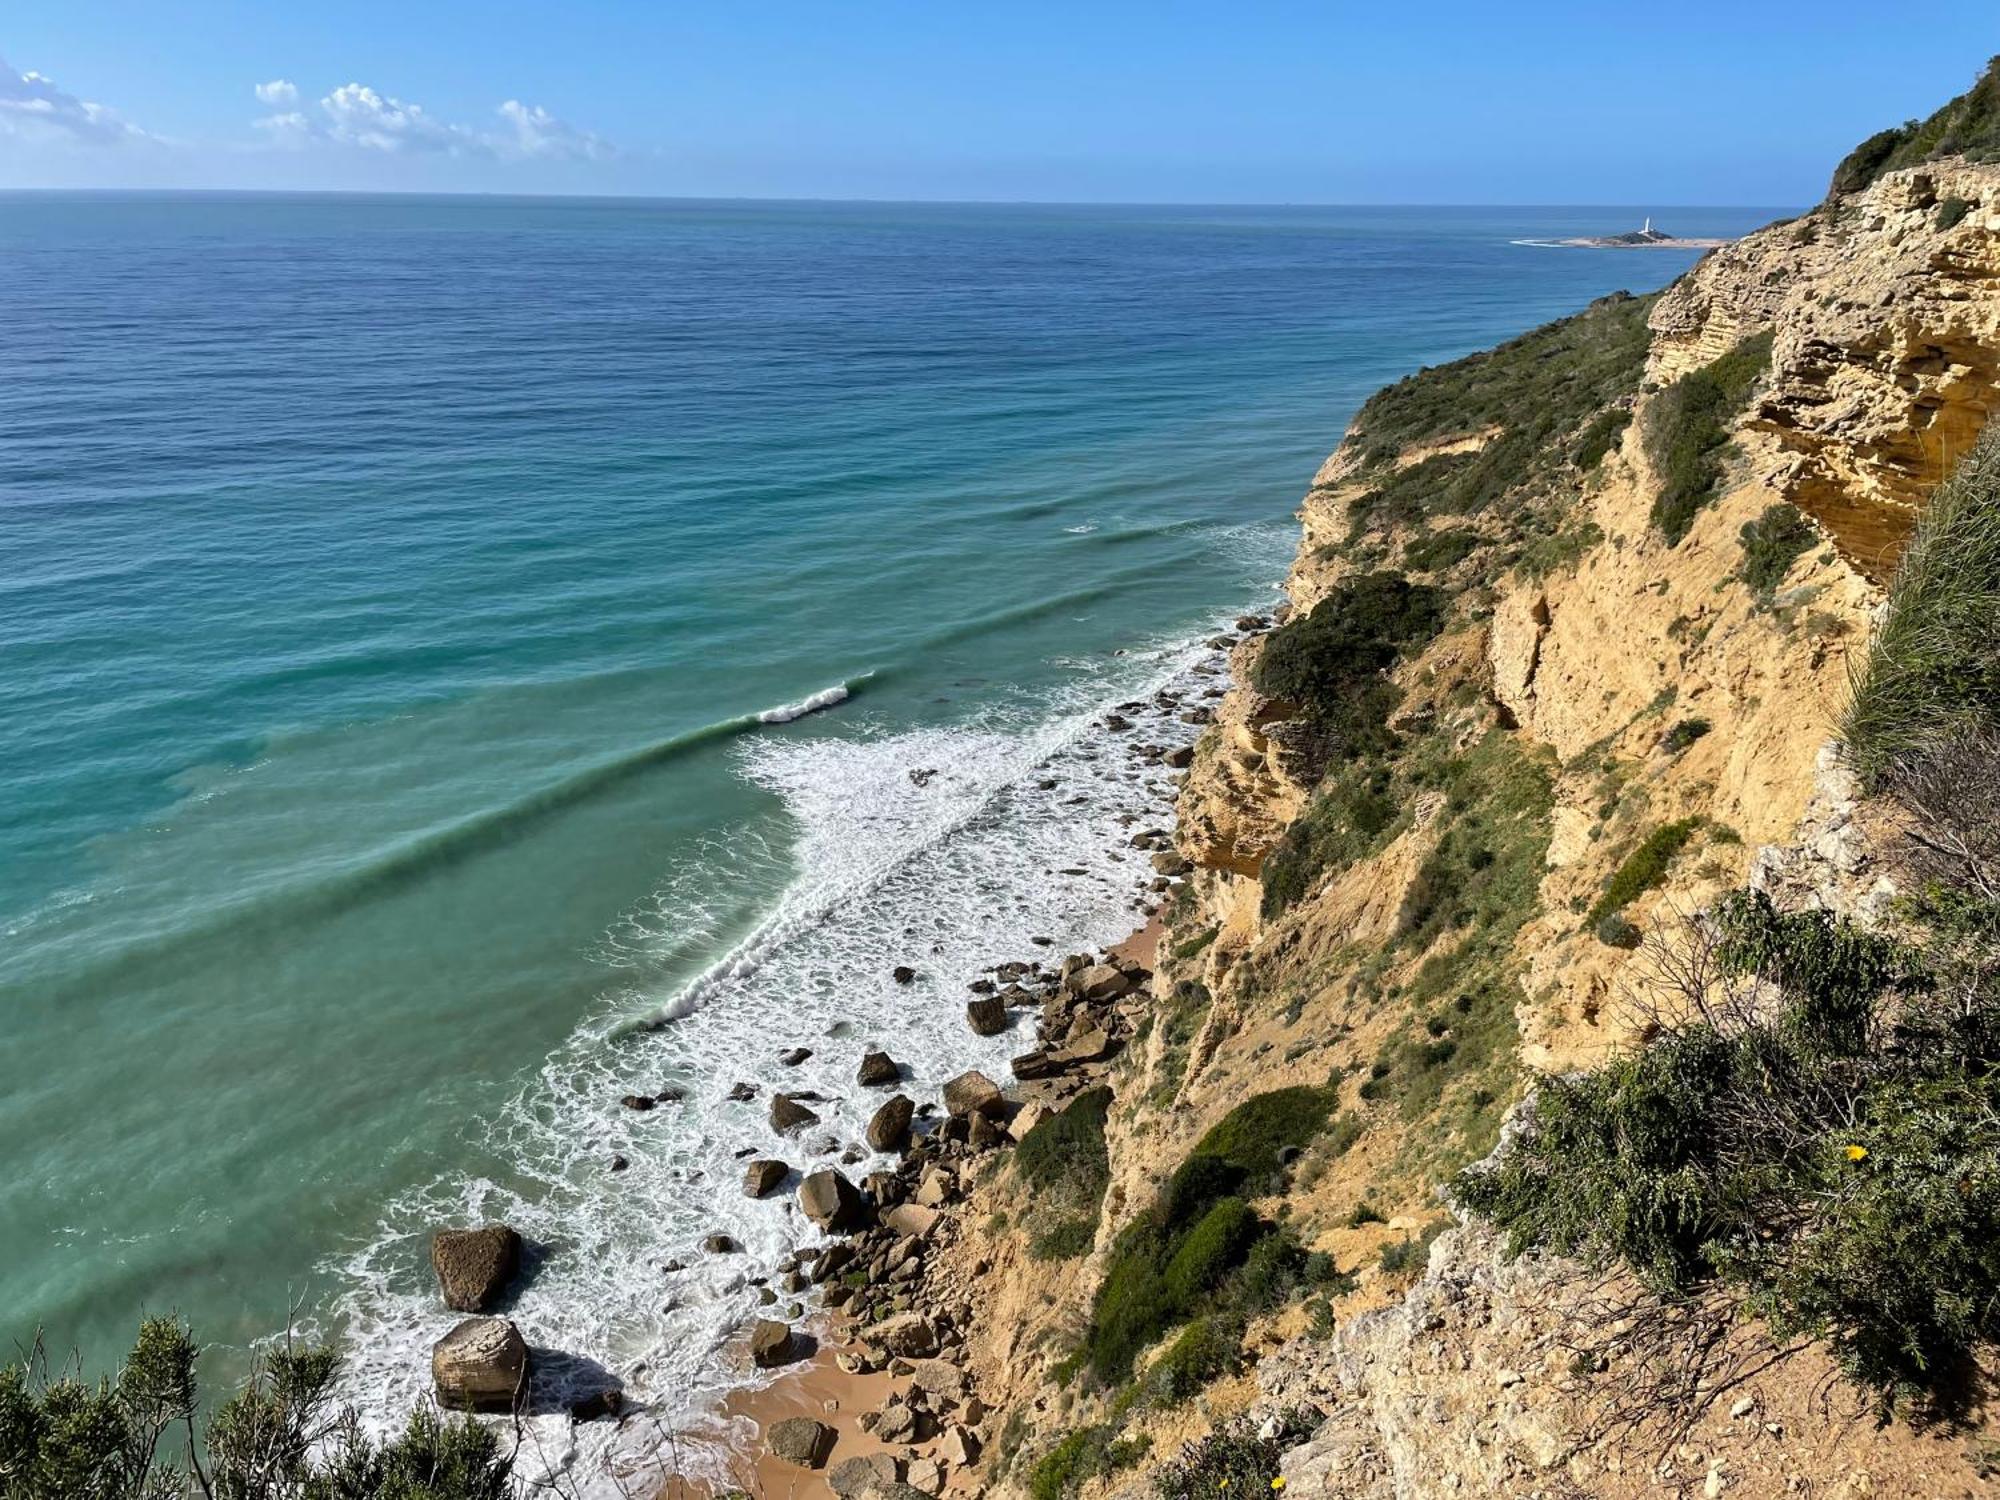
(762, 1177)
(831, 1201)
(877, 1069)
(906, 1336)
(889, 1130)
(1099, 981)
(986, 1014)
(772, 1344)
(801, 1440)
(971, 1092)
(481, 1365)
(474, 1266)
(787, 1114)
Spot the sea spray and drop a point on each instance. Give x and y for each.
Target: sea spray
(946, 849)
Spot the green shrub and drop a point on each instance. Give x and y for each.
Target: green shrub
(1435, 551)
(1932, 672)
(1645, 868)
(1772, 543)
(1330, 662)
(1687, 427)
(1831, 1160)
(1615, 930)
(1600, 436)
(1951, 213)
(1213, 1248)
(1539, 391)
(1066, 1239)
(1064, 1468)
(281, 1437)
(1235, 1459)
(1254, 1136)
(1683, 734)
(1344, 822)
(1968, 126)
(1207, 1348)
(1065, 1161)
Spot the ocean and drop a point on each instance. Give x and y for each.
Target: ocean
(465, 660)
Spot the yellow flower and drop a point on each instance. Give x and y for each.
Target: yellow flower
(1856, 1153)
(1278, 1483)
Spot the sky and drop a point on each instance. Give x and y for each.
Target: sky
(1173, 101)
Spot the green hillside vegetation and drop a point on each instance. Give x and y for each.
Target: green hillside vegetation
(1969, 126)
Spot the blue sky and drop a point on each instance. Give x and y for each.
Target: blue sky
(1441, 102)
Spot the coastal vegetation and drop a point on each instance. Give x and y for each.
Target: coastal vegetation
(138, 1434)
(1771, 544)
(1968, 126)
(1687, 431)
(1814, 1138)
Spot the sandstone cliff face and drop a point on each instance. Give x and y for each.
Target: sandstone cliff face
(1633, 684)
(1886, 313)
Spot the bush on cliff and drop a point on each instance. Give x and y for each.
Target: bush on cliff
(1968, 126)
(1533, 393)
(1344, 822)
(282, 1437)
(1197, 1250)
(1330, 662)
(1065, 1161)
(1687, 428)
(1772, 543)
(1931, 677)
(1820, 1145)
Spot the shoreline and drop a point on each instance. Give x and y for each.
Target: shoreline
(850, 1383)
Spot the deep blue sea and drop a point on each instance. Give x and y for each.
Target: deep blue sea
(390, 589)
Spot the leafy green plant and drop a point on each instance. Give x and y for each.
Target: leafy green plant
(1968, 126)
(1951, 213)
(1645, 868)
(1344, 822)
(1065, 1161)
(283, 1436)
(1772, 543)
(1830, 1160)
(1687, 427)
(1236, 1459)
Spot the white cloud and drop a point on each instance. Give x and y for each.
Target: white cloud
(538, 133)
(32, 105)
(357, 116)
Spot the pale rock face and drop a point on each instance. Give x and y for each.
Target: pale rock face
(1886, 356)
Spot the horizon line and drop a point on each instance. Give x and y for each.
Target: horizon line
(561, 197)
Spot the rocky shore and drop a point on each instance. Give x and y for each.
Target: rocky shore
(856, 1378)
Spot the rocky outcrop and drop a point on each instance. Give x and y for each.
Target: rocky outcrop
(481, 1365)
(1885, 313)
(475, 1266)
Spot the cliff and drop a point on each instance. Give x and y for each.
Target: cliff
(1571, 630)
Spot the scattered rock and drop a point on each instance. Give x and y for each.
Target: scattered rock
(640, 1102)
(877, 1068)
(795, 1056)
(889, 1130)
(742, 1092)
(481, 1365)
(831, 1202)
(911, 1219)
(787, 1114)
(1101, 981)
(852, 1478)
(801, 1440)
(961, 1447)
(1179, 758)
(763, 1176)
(903, 974)
(598, 1405)
(619, 1163)
(772, 1344)
(720, 1244)
(908, 1335)
(987, 1015)
(938, 1377)
(973, 1091)
(474, 1265)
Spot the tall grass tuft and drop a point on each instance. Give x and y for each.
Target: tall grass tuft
(1932, 671)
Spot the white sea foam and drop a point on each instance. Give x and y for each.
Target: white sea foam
(786, 713)
(1019, 831)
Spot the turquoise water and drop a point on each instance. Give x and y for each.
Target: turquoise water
(388, 591)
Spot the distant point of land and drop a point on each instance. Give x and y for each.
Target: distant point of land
(1644, 238)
